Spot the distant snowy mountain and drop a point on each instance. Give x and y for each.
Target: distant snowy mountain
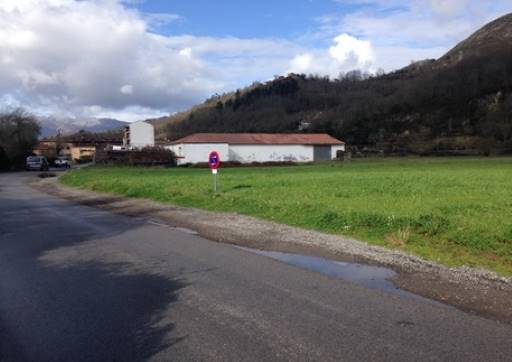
(50, 126)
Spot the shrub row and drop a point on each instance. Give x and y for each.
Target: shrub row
(148, 156)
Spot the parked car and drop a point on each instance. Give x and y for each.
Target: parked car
(62, 163)
(37, 163)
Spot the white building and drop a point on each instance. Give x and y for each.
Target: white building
(139, 135)
(257, 147)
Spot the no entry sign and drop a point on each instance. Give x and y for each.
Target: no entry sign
(214, 160)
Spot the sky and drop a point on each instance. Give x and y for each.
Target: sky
(139, 59)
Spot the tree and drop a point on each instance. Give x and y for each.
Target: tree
(19, 133)
(4, 161)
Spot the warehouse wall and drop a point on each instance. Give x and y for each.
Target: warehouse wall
(269, 153)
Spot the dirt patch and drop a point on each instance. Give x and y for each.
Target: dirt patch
(474, 290)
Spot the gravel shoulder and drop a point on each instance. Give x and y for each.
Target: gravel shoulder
(475, 291)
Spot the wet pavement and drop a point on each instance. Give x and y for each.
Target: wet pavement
(369, 276)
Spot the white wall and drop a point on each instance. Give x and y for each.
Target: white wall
(269, 153)
(336, 148)
(142, 134)
(198, 152)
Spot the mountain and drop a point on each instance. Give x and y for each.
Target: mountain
(459, 103)
(50, 126)
(494, 35)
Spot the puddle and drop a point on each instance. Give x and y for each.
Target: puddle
(372, 277)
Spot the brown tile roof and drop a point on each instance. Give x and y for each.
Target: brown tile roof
(262, 138)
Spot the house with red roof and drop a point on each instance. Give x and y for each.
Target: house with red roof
(258, 147)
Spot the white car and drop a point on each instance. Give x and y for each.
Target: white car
(62, 163)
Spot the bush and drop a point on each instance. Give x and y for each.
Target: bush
(148, 156)
(152, 156)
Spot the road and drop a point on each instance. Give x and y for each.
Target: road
(81, 284)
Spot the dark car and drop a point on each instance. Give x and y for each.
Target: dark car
(37, 163)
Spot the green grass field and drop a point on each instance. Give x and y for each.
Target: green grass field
(453, 210)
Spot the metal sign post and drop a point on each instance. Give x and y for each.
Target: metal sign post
(215, 172)
(214, 162)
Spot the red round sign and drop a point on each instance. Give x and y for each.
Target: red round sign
(214, 160)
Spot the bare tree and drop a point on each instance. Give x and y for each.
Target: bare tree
(19, 131)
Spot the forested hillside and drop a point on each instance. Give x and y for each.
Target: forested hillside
(459, 103)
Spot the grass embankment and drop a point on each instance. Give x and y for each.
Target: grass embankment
(456, 211)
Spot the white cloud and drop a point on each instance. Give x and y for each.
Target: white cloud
(128, 114)
(302, 63)
(353, 50)
(100, 57)
(448, 7)
(186, 52)
(126, 89)
(75, 54)
(347, 53)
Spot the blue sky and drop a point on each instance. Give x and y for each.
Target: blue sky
(246, 19)
(135, 59)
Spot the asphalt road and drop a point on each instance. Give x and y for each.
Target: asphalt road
(81, 284)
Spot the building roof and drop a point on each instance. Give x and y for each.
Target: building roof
(262, 139)
(41, 147)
